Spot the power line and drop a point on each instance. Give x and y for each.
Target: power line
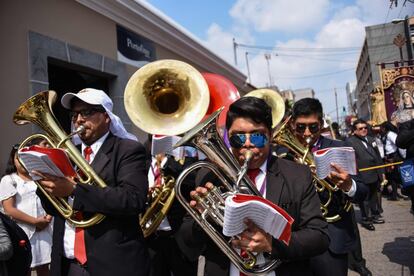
(334, 49)
(319, 75)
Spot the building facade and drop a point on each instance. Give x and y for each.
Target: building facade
(67, 45)
(379, 48)
(303, 93)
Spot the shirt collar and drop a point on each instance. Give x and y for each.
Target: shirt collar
(263, 167)
(97, 145)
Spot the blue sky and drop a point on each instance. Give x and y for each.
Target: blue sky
(296, 28)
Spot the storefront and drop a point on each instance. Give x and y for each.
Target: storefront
(66, 45)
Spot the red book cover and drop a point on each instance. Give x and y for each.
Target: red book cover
(286, 233)
(57, 156)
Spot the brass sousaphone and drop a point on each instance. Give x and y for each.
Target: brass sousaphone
(164, 97)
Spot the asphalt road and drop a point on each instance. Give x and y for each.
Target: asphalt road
(389, 250)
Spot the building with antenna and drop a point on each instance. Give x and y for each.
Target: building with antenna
(379, 48)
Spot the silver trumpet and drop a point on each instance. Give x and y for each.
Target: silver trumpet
(222, 163)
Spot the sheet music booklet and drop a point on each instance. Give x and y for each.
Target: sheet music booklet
(342, 156)
(265, 214)
(53, 161)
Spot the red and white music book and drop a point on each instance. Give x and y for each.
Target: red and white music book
(342, 156)
(264, 213)
(53, 161)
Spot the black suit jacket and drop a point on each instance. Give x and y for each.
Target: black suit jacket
(342, 232)
(288, 185)
(366, 158)
(116, 245)
(405, 138)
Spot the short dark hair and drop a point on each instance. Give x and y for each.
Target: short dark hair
(10, 167)
(358, 121)
(307, 107)
(252, 108)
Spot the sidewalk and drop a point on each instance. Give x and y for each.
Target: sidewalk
(389, 250)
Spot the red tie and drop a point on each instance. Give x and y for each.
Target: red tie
(80, 249)
(252, 174)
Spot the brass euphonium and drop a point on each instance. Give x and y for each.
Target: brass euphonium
(327, 191)
(160, 200)
(38, 110)
(164, 97)
(222, 163)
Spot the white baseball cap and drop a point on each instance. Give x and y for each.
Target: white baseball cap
(98, 97)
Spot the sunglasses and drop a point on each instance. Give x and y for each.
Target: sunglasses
(239, 139)
(86, 113)
(313, 128)
(361, 128)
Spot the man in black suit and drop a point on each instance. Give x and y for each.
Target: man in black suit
(405, 140)
(285, 183)
(115, 246)
(306, 123)
(367, 155)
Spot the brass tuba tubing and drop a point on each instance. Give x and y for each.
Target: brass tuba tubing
(222, 163)
(38, 110)
(284, 137)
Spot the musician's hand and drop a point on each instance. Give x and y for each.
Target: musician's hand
(57, 186)
(42, 222)
(199, 193)
(340, 177)
(254, 239)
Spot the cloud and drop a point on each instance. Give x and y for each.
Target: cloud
(280, 15)
(221, 41)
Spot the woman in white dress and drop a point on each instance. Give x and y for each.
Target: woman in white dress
(19, 201)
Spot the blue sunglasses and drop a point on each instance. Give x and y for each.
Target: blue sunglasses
(239, 139)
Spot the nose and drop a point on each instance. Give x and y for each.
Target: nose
(248, 143)
(78, 120)
(307, 132)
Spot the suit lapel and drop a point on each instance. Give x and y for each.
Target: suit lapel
(101, 158)
(274, 181)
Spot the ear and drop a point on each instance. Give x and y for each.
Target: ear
(107, 118)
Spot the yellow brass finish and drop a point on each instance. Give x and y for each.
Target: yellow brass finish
(160, 200)
(166, 97)
(283, 136)
(38, 110)
(274, 100)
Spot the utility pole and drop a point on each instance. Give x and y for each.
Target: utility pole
(248, 68)
(336, 103)
(235, 51)
(268, 57)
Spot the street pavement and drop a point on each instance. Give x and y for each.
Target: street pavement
(389, 250)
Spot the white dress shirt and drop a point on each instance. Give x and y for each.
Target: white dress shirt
(261, 186)
(69, 235)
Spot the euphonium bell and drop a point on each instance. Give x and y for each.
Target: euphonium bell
(222, 163)
(38, 110)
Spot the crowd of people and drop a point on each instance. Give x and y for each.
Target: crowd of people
(180, 246)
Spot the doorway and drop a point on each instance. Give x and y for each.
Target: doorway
(66, 77)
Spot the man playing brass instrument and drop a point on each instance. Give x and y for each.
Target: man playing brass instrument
(306, 123)
(114, 246)
(287, 184)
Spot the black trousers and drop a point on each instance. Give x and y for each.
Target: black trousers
(370, 204)
(73, 268)
(329, 263)
(167, 258)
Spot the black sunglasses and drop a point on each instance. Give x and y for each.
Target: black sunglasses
(361, 128)
(301, 128)
(86, 113)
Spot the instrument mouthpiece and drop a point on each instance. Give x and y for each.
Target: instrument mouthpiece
(80, 129)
